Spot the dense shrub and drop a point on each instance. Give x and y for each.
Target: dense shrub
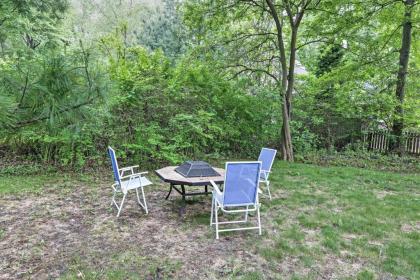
(363, 159)
(158, 93)
(163, 113)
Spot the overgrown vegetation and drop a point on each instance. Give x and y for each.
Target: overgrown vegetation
(363, 159)
(76, 76)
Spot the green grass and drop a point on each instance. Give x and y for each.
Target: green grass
(320, 219)
(360, 212)
(13, 184)
(31, 183)
(123, 266)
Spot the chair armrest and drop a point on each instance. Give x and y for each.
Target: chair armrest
(140, 173)
(128, 168)
(215, 187)
(135, 175)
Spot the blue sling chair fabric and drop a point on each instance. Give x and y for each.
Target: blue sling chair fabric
(240, 194)
(266, 157)
(123, 183)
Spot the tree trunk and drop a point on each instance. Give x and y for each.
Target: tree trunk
(287, 147)
(286, 138)
(398, 125)
(287, 100)
(291, 75)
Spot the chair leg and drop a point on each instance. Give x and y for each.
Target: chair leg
(268, 189)
(212, 209)
(121, 205)
(138, 197)
(246, 214)
(144, 199)
(259, 220)
(144, 204)
(216, 208)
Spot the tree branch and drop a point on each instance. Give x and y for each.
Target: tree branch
(324, 40)
(246, 36)
(253, 70)
(34, 120)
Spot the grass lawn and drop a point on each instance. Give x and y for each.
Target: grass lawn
(322, 223)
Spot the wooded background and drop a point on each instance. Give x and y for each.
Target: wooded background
(166, 81)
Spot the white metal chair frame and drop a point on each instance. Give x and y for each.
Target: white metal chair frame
(126, 180)
(265, 174)
(215, 206)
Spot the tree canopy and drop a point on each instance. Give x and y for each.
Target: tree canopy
(169, 80)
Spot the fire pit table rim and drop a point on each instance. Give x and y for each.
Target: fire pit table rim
(169, 175)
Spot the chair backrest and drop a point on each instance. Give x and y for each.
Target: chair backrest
(267, 157)
(241, 183)
(114, 163)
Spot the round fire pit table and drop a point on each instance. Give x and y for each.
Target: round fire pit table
(176, 180)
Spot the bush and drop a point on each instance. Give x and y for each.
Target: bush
(167, 114)
(363, 159)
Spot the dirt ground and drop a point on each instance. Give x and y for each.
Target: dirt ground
(67, 232)
(68, 229)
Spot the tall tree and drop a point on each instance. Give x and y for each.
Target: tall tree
(378, 72)
(42, 77)
(30, 21)
(398, 124)
(25, 27)
(255, 38)
(163, 29)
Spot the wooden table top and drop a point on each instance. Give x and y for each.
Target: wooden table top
(169, 175)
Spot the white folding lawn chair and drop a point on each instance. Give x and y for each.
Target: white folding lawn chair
(240, 195)
(266, 157)
(124, 183)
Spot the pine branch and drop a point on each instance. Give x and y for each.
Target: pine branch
(38, 119)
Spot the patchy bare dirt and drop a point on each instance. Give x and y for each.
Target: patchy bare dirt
(415, 227)
(383, 194)
(48, 235)
(70, 230)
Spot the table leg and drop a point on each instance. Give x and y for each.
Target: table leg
(206, 190)
(182, 208)
(169, 193)
(183, 192)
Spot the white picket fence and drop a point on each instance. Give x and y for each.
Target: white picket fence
(379, 141)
